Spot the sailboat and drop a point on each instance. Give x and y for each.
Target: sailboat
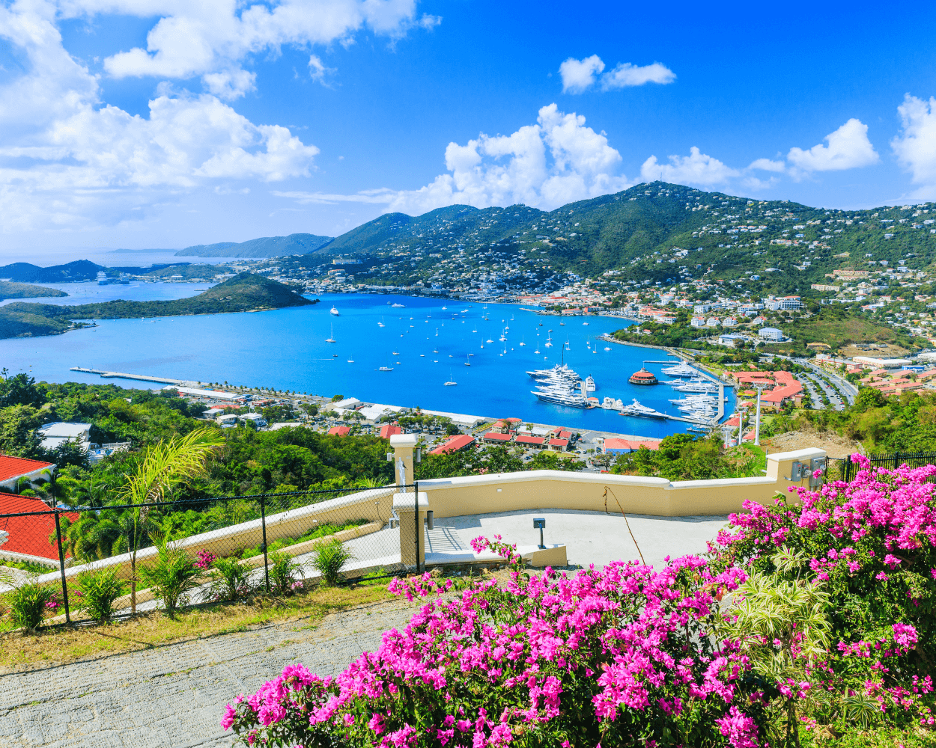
(331, 338)
(467, 360)
(381, 323)
(451, 382)
(521, 342)
(351, 359)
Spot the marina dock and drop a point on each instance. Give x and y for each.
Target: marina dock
(721, 395)
(137, 377)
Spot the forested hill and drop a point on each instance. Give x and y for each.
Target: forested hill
(269, 246)
(25, 272)
(637, 231)
(27, 291)
(242, 293)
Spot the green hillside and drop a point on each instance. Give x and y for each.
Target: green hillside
(270, 246)
(243, 293)
(24, 272)
(10, 290)
(656, 232)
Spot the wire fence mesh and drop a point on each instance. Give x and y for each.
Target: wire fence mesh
(168, 554)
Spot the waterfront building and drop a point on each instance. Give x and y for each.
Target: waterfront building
(643, 377)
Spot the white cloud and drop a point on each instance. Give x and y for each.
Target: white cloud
(915, 145)
(848, 148)
(626, 75)
(766, 164)
(230, 84)
(67, 161)
(317, 69)
(696, 168)
(553, 162)
(580, 75)
(209, 38)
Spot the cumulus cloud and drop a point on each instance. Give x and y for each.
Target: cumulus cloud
(68, 161)
(915, 144)
(625, 75)
(213, 37)
(696, 168)
(317, 69)
(580, 75)
(557, 160)
(848, 148)
(766, 164)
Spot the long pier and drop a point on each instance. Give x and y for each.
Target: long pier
(711, 378)
(137, 377)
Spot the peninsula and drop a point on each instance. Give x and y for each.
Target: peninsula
(10, 290)
(245, 292)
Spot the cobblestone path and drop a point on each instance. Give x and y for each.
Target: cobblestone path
(174, 695)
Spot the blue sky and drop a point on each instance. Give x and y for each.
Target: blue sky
(164, 123)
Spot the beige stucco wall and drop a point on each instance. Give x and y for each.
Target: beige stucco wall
(505, 492)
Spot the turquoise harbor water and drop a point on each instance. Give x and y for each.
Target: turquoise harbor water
(426, 342)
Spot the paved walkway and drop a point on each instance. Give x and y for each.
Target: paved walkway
(173, 696)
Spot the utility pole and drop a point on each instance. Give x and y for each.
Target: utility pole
(760, 388)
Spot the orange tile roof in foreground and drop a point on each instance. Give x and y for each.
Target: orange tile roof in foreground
(29, 535)
(14, 467)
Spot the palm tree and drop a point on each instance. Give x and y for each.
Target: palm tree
(165, 465)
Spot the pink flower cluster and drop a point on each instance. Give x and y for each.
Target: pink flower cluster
(612, 650)
(205, 559)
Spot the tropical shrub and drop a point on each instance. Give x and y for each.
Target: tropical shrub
(329, 558)
(230, 579)
(171, 576)
(29, 603)
(99, 589)
(284, 572)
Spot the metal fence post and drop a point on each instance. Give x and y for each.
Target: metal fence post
(61, 552)
(418, 523)
(896, 460)
(266, 562)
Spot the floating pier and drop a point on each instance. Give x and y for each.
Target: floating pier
(137, 377)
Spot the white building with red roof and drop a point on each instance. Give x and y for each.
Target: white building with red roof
(13, 470)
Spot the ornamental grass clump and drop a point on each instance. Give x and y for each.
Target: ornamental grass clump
(99, 589)
(171, 576)
(29, 603)
(329, 558)
(230, 579)
(284, 573)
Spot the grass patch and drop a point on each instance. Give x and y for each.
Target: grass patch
(316, 532)
(64, 645)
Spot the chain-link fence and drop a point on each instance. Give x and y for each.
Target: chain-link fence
(223, 548)
(842, 468)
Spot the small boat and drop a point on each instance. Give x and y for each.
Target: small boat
(331, 338)
(467, 360)
(333, 311)
(607, 348)
(396, 306)
(521, 342)
(394, 353)
(585, 323)
(351, 359)
(381, 323)
(451, 382)
(385, 368)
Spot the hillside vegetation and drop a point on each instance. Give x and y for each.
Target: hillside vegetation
(10, 290)
(786, 245)
(243, 293)
(269, 246)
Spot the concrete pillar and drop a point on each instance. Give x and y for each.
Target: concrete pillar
(403, 446)
(780, 467)
(406, 506)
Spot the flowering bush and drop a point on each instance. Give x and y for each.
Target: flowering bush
(870, 547)
(788, 625)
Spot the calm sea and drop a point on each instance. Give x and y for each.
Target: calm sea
(426, 343)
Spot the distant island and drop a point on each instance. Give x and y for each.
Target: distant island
(139, 251)
(10, 290)
(25, 272)
(269, 246)
(245, 292)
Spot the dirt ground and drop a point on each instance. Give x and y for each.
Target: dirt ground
(876, 350)
(833, 444)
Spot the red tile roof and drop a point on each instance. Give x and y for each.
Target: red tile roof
(453, 445)
(390, 429)
(29, 535)
(339, 431)
(14, 467)
(527, 439)
(558, 442)
(489, 437)
(629, 444)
